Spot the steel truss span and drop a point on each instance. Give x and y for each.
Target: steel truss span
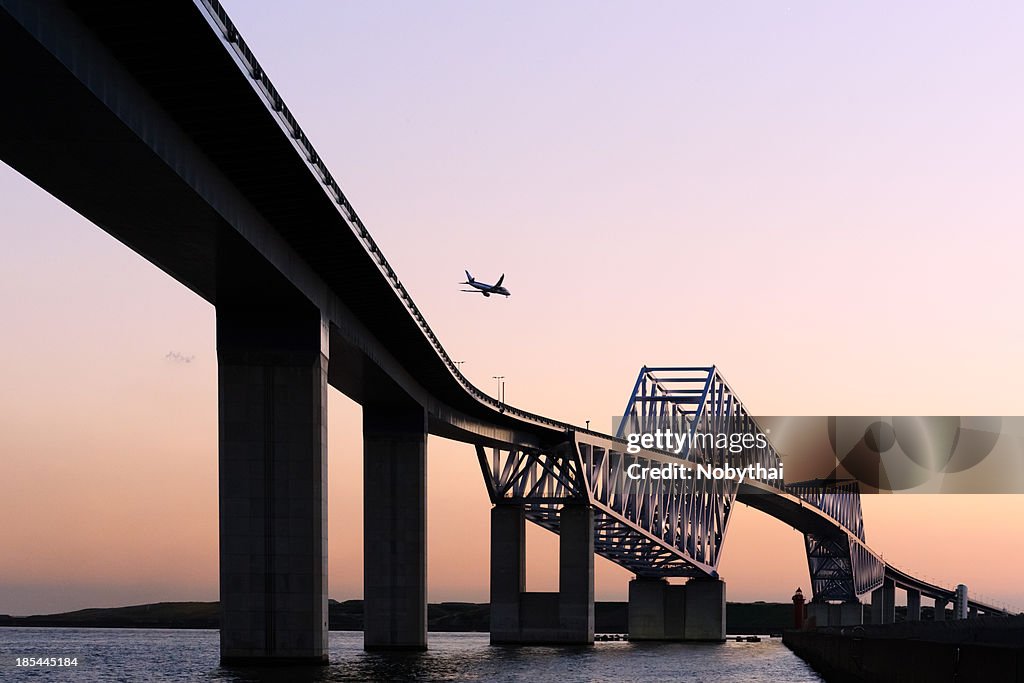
(676, 527)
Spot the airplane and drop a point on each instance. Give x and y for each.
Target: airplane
(483, 288)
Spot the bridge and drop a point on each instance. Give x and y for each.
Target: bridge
(156, 122)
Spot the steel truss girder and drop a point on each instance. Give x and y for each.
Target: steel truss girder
(841, 567)
(677, 526)
(839, 500)
(687, 515)
(519, 474)
(654, 527)
(698, 400)
(623, 544)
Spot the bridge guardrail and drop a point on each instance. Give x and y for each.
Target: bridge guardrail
(275, 103)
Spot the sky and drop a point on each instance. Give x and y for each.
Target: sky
(823, 199)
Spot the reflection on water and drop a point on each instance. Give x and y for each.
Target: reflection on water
(173, 655)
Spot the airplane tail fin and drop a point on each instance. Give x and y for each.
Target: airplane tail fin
(469, 278)
(500, 280)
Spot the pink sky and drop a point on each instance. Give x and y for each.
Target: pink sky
(822, 200)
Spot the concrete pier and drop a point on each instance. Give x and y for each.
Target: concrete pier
(883, 603)
(647, 610)
(395, 527)
(913, 605)
(576, 574)
(562, 618)
(272, 392)
(940, 609)
(659, 610)
(508, 570)
(838, 614)
(705, 610)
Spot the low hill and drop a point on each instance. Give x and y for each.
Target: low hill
(610, 617)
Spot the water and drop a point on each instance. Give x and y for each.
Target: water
(192, 655)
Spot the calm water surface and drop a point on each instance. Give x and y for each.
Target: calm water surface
(180, 655)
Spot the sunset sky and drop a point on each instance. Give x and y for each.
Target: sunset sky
(823, 199)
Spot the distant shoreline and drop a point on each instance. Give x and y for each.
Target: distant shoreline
(610, 617)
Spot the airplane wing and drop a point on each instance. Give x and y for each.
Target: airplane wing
(472, 291)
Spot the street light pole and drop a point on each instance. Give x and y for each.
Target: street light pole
(501, 386)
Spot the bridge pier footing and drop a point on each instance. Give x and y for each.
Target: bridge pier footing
(562, 618)
(272, 393)
(705, 610)
(648, 610)
(394, 528)
(839, 614)
(659, 610)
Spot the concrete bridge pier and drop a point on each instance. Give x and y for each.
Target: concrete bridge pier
(272, 393)
(659, 610)
(883, 603)
(705, 610)
(656, 609)
(508, 570)
(394, 527)
(913, 605)
(940, 609)
(562, 618)
(835, 614)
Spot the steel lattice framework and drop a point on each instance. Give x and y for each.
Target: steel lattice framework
(840, 564)
(653, 527)
(676, 526)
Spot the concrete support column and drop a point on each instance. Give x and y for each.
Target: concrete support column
(851, 614)
(562, 618)
(883, 603)
(705, 610)
(940, 609)
(913, 605)
(576, 574)
(394, 527)
(272, 394)
(960, 602)
(820, 613)
(508, 570)
(973, 611)
(659, 610)
(647, 609)
(839, 614)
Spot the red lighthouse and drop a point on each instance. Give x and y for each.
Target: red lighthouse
(798, 609)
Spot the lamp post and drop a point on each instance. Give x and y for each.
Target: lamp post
(500, 379)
